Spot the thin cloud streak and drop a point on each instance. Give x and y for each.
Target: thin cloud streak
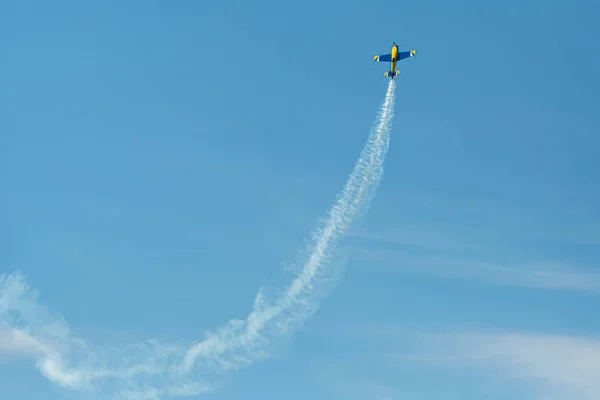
(152, 370)
(538, 275)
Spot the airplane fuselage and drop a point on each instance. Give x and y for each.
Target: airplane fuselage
(394, 58)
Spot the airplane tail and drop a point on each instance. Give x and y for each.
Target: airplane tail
(391, 74)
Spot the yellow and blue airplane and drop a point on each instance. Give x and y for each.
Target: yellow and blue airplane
(393, 58)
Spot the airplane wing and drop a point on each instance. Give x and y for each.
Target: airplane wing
(383, 57)
(405, 54)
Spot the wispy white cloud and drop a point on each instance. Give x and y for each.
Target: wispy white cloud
(466, 364)
(152, 370)
(18, 343)
(406, 362)
(554, 366)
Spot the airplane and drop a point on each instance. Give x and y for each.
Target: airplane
(393, 58)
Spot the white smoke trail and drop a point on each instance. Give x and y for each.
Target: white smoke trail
(151, 370)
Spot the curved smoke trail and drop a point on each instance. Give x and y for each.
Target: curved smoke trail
(152, 370)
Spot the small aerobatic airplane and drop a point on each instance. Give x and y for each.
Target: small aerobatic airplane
(393, 58)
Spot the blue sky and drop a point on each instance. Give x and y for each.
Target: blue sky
(162, 162)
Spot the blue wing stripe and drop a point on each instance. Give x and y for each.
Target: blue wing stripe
(385, 57)
(403, 54)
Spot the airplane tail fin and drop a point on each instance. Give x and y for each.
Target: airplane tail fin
(391, 74)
